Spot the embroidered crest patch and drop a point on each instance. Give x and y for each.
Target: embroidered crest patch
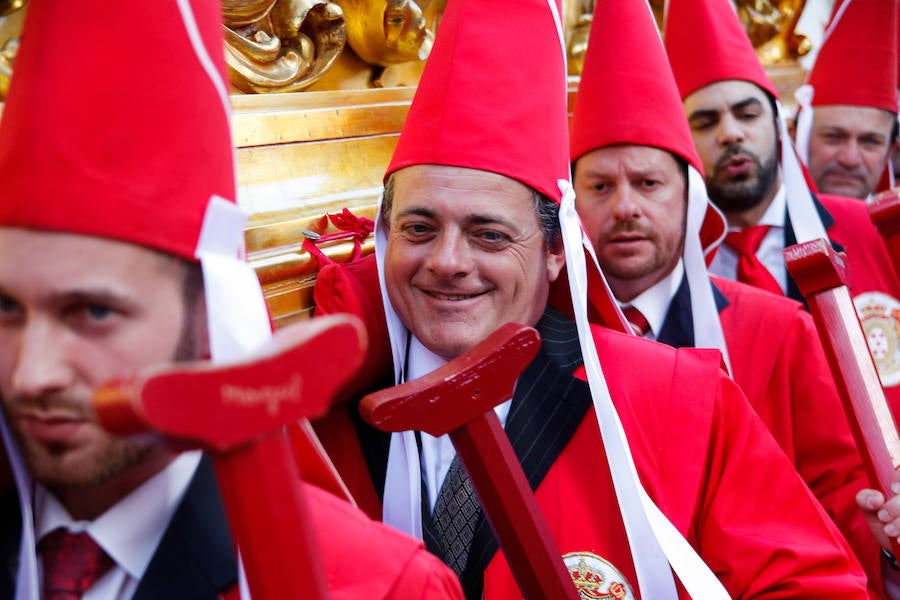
(596, 578)
(880, 318)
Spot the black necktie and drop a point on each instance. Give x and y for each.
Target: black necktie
(455, 517)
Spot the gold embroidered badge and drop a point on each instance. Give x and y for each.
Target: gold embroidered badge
(596, 578)
(880, 318)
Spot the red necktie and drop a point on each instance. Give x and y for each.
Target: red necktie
(72, 563)
(750, 270)
(637, 320)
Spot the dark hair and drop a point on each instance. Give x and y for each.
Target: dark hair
(547, 212)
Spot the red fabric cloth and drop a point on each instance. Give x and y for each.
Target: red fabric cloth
(750, 269)
(711, 467)
(365, 559)
(706, 43)
(72, 562)
(164, 150)
(844, 71)
(787, 381)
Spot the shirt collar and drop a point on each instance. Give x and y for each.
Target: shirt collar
(654, 301)
(131, 530)
(774, 215)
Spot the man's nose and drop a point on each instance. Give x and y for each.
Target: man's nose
(625, 205)
(849, 155)
(451, 256)
(40, 361)
(729, 131)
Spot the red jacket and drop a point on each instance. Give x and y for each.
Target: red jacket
(702, 453)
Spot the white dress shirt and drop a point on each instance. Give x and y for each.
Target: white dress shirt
(770, 250)
(654, 301)
(130, 531)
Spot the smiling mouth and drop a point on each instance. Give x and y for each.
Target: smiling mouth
(451, 297)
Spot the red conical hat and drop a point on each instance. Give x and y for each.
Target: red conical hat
(707, 43)
(628, 95)
(857, 61)
(118, 126)
(511, 118)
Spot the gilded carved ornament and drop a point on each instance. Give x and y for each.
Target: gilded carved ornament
(770, 25)
(280, 45)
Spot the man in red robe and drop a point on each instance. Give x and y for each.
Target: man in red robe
(754, 177)
(640, 193)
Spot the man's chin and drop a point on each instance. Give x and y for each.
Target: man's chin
(83, 466)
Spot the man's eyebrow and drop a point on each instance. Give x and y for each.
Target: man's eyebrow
(417, 211)
(490, 220)
(746, 102)
(703, 113)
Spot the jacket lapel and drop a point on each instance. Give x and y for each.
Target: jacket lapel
(790, 239)
(678, 327)
(195, 559)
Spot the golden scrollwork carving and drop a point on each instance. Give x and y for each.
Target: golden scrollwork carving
(10, 6)
(579, 30)
(10, 26)
(771, 26)
(388, 32)
(281, 45)
(7, 55)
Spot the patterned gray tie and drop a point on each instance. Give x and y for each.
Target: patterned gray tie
(455, 516)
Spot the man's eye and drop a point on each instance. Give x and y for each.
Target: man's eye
(649, 183)
(8, 307)
(492, 239)
(416, 230)
(702, 124)
(747, 115)
(98, 311)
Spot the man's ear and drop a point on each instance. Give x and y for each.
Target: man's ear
(555, 262)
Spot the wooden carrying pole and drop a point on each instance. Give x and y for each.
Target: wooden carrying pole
(820, 274)
(884, 210)
(459, 399)
(239, 413)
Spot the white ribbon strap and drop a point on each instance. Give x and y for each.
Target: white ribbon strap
(804, 96)
(402, 504)
(655, 543)
(800, 207)
(705, 314)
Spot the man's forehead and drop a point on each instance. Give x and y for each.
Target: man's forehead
(849, 116)
(636, 156)
(725, 93)
(85, 254)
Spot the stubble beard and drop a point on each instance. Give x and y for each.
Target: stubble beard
(735, 196)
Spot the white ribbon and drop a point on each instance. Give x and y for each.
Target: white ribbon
(800, 207)
(705, 314)
(402, 503)
(655, 542)
(804, 96)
